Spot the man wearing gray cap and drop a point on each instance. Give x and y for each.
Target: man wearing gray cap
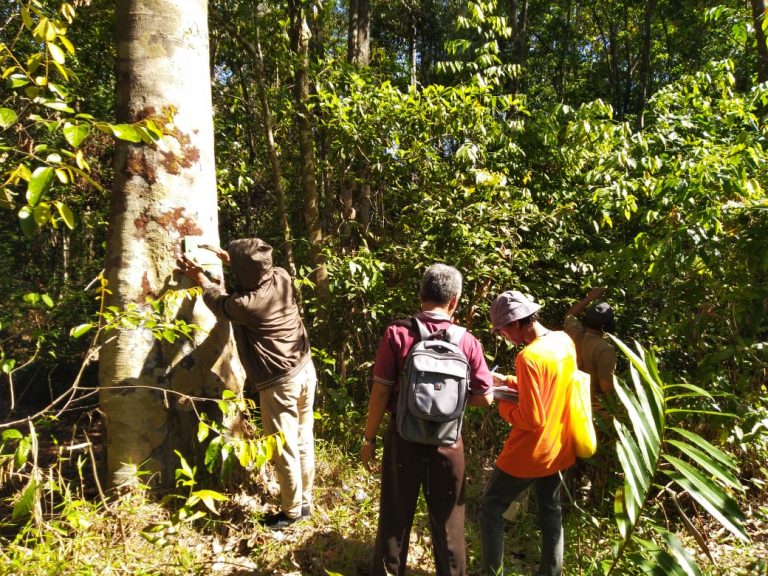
(539, 445)
(595, 355)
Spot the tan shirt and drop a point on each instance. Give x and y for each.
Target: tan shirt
(595, 356)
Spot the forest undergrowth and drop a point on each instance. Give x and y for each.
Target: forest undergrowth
(77, 528)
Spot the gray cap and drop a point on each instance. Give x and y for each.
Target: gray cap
(510, 306)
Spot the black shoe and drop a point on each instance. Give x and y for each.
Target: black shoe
(306, 511)
(279, 521)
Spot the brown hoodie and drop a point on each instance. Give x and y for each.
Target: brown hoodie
(271, 339)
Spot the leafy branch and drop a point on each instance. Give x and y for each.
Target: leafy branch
(651, 448)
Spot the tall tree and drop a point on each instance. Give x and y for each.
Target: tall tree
(359, 35)
(162, 193)
(300, 35)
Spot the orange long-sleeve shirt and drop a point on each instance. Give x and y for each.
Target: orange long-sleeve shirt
(540, 443)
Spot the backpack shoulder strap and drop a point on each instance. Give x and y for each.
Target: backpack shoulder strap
(455, 334)
(420, 329)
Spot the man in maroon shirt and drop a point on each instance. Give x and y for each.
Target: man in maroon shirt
(407, 466)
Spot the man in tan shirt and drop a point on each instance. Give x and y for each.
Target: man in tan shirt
(595, 355)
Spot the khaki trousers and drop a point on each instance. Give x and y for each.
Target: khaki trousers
(288, 408)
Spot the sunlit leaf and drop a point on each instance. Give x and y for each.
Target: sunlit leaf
(78, 331)
(125, 132)
(26, 221)
(76, 133)
(25, 505)
(41, 180)
(7, 117)
(705, 492)
(706, 446)
(709, 464)
(681, 555)
(42, 214)
(56, 53)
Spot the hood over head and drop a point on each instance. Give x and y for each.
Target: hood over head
(250, 260)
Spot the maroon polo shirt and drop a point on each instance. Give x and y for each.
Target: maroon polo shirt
(397, 342)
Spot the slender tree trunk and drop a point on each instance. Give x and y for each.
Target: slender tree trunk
(519, 22)
(645, 62)
(561, 67)
(300, 46)
(412, 51)
(758, 16)
(161, 194)
(256, 54)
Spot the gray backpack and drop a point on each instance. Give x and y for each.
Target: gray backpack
(433, 387)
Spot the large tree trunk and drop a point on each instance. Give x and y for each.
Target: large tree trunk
(161, 194)
(359, 33)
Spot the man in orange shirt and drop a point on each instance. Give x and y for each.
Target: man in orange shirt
(539, 446)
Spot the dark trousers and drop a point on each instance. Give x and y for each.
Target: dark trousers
(500, 491)
(406, 468)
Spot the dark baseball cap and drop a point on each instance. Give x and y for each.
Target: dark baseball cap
(599, 315)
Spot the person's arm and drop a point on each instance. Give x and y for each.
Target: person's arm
(480, 400)
(579, 307)
(377, 405)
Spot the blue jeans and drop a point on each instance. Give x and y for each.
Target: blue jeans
(500, 491)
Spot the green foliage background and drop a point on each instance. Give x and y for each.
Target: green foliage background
(543, 170)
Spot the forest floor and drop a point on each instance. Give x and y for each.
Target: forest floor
(138, 534)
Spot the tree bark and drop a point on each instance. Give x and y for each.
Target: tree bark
(307, 169)
(359, 33)
(161, 194)
(255, 52)
(519, 21)
(645, 62)
(758, 16)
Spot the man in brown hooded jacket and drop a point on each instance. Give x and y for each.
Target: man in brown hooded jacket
(273, 347)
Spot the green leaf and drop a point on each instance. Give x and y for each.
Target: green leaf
(78, 331)
(213, 454)
(26, 221)
(41, 180)
(633, 492)
(209, 498)
(640, 471)
(26, 504)
(26, 18)
(47, 300)
(707, 447)
(42, 214)
(66, 214)
(58, 105)
(76, 133)
(709, 464)
(681, 555)
(645, 430)
(7, 117)
(705, 492)
(620, 512)
(12, 434)
(125, 132)
(56, 53)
